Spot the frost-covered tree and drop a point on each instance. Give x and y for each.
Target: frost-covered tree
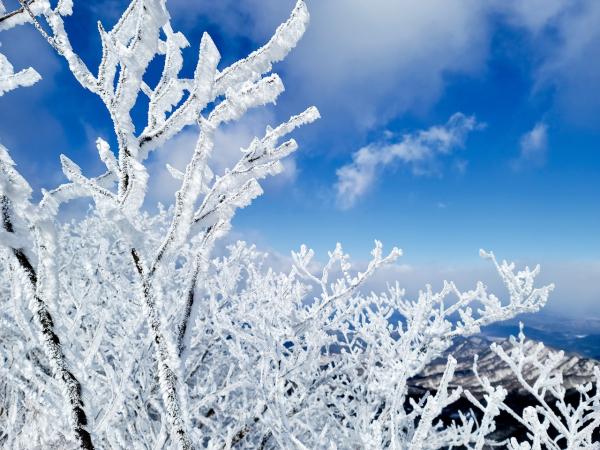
(124, 331)
(130, 47)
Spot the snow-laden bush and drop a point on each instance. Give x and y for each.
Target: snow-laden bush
(124, 331)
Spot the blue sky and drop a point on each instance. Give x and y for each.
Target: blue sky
(447, 126)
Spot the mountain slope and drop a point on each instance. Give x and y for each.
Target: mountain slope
(575, 368)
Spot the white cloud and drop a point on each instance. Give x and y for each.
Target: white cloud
(534, 145)
(534, 15)
(422, 150)
(367, 62)
(362, 63)
(460, 166)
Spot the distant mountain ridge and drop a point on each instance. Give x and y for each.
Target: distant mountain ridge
(576, 369)
(569, 340)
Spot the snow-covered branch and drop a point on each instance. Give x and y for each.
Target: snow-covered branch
(37, 287)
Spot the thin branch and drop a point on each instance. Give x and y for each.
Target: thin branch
(14, 13)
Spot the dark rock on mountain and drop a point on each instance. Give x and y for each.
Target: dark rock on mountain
(568, 339)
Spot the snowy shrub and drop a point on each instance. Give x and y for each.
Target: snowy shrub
(124, 331)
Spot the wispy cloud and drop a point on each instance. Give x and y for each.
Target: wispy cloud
(534, 145)
(381, 59)
(565, 38)
(422, 150)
